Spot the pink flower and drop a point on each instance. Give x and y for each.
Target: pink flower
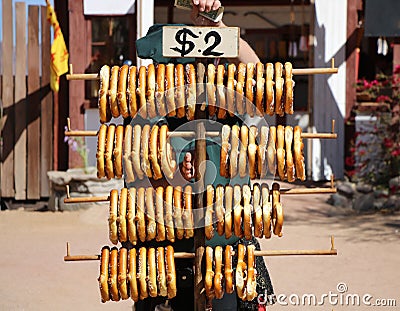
(388, 143)
(396, 69)
(395, 153)
(383, 98)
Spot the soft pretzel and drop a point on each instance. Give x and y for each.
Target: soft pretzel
(144, 151)
(244, 139)
(161, 273)
(276, 197)
(241, 273)
(241, 74)
(131, 216)
(225, 148)
(209, 278)
(228, 211)
(163, 145)
(247, 211)
(160, 214)
(113, 280)
(266, 211)
(160, 89)
(113, 92)
(280, 151)
(141, 223)
(132, 276)
(219, 209)
(257, 215)
(262, 152)
(269, 90)
(233, 157)
(128, 172)
(191, 91)
(171, 157)
(228, 271)
(187, 213)
(209, 228)
(278, 223)
(153, 156)
(289, 84)
(141, 92)
(298, 154)
(201, 93)
(279, 83)
(251, 284)
(249, 89)
(152, 277)
(151, 90)
(142, 273)
(136, 158)
(119, 141)
(103, 278)
(113, 216)
(101, 146)
(221, 92)
(178, 211)
(109, 151)
(150, 215)
(252, 152)
(212, 101)
(122, 90)
(123, 200)
(218, 286)
(237, 211)
(180, 90)
(133, 108)
(122, 269)
(271, 150)
(104, 108)
(230, 90)
(170, 90)
(169, 222)
(289, 155)
(171, 273)
(260, 81)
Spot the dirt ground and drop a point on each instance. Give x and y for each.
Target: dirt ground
(35, 277)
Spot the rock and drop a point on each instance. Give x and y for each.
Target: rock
(394, 185)
(72, 206)
(59, 178)
(364, 188)
(393, 202)
(379, 203)
(365, 203)
(347, 189)
(381, 193)
(339, 200)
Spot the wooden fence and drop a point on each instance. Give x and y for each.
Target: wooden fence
(27, 104)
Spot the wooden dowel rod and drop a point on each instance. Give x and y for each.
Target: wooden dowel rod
(80, 133)
(87, 199)
(308, 190)
(319, 135)
(83, 76)
(82, 258)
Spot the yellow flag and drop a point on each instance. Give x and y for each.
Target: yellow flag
(59, 52)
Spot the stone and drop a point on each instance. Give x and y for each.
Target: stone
(339, 200)
(394, 185)
(59, 178)
(347, 189)
(364, 188)
(381, 193)
(380, 203)
(393, 202)
(365, 203)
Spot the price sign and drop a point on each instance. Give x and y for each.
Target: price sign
(214, 42)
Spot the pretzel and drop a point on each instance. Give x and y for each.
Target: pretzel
(152, 277)
(271, 150)
(160, 90)
(113, 92)
(113, 216)
(221, 92)
(249, 89)
(237, 211)
(141, 92)
(122, 278)
(233, 158)
(218, 287)
(104, 108)
(241, 273)
(266, 211)
(208, 281)
(251, 284)
(131, 216)
(228, 271)
(298, 154)
(291, 177)
(141, 274)
(230, 90)
(150, 215)
(228, 211)
(260, 81)
(122, 90)
(161, 273)
(209, 229)
(132, 276)
(279, 83)
(180, 90)
(144, 151)
(191, 91)
(151, 90)
(169, 223)
(280, 151)
(103, 278)
(101, 146)
(170, 90)
(135, 155)
(141, 224)
(119, 140)
(163, 146)
(109, 151)
(212, 101)
(252, 152)
(128, 166)
(262, 152)
(258, 213)
(153, 156)
(244, 139)
(278, 223)
(187, 213)
(247, 211)
(225, 148)
(289, 84)
(219, 209)
(200, 74)
(160, 214)
(241, 74)
(123, 200)
(131, 90)
(269, 90)
(178, 212)
(171, 274)
(113, 280)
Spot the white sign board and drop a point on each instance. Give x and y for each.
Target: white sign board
(108, 7)
(182, 41)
